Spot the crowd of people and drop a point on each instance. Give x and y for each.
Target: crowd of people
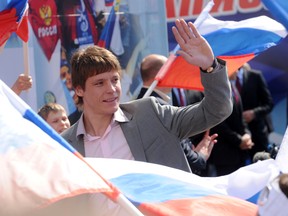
(231, 111)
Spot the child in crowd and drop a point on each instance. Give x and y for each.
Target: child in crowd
(55, 115)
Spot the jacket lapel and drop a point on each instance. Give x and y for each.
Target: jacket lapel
(133, 138)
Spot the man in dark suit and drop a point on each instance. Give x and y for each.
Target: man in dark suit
(234, 142)
(257, 105)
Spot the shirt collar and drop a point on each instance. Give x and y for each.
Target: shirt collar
(119, 116)
(240, 74)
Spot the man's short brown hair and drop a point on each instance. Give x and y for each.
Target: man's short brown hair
(89, 62)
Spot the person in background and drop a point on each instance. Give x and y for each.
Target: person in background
(23, 83)
(197, 158)
(257, 105)
(234, 141)
(55, 115)
(260, 156)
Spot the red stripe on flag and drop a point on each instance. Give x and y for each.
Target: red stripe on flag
(22, 30)
(180, 74)
(235, 62)
(101, 43)
(204, 206)
(8, 23)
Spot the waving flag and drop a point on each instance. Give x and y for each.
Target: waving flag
(234, 42)
(160, 190)
(279, 10)
(13, 18)
(110, 37)
(37, 168)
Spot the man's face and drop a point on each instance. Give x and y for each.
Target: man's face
(102, 93)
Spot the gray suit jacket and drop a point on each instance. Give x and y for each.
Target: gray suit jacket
(153, 131)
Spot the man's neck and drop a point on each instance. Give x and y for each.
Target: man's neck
(96, 125)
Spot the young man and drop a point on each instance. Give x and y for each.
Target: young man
(144, 130)
(55, 115)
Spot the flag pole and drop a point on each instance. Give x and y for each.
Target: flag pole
(26, 58)
(203, 15)
(25, 45)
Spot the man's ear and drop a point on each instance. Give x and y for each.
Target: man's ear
(79, 91)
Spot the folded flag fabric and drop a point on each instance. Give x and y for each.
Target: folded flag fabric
(160, 190)
(235, 42)
(279, 10)
(36, 170)
(13, 18)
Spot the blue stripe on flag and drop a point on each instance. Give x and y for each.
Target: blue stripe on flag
(19, 5)
(225, 42)
(143, 188)
(107, 32)
(30, 115)
(279, 10)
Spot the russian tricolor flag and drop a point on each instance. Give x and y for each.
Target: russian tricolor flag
(13, 18)
(235, 42)
(160, 190)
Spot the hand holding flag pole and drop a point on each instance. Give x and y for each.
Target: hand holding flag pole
(176, 50)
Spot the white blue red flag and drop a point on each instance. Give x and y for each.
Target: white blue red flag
(160, 190)
(236, 42)
(13, 18)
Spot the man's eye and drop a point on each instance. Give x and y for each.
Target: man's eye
(98, 83)
(116, 80)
